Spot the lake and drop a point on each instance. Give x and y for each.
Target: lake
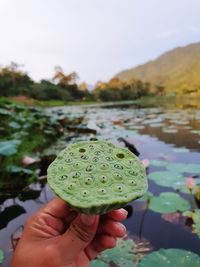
(168, 141)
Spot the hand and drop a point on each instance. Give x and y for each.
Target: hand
(56, 236)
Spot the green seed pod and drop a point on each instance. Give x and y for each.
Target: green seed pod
(95, 177)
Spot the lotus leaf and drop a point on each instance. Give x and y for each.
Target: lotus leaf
(122, 255)
(8, 148)
(168, 179)
(170, 258)
(181, 150)
(184, 168)
(158, 163)
(1, 256)
(95, 177)
(168, 202)
(195, 215)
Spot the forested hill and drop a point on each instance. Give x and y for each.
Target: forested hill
(178, 70)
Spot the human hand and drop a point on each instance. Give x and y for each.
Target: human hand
(57, 236)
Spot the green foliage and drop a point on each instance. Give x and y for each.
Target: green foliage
(8, 148)
(168, 179)
(122, 255)
(1, 256)
(14, 82)
(168, 202)
(177, 70)
(195, 215)
(171, 257)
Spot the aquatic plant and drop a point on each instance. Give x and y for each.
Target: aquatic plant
(96, 176)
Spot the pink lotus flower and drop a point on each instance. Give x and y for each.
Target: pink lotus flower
(146, 163)
(190, 182)
(27, 160)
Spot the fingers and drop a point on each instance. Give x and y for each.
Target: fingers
(115, 229)
(117, 215)
(99, 244)
(80, 233)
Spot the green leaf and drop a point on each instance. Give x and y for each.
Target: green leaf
(1, 256)
(195, 215)
(171, 258)
(168, 202)
(184, 168)
(158, 163)
(98, 263)
(181, 150)
(8, 148)
(14, 125)
(168, 179)
(122, 255)
(17, 169)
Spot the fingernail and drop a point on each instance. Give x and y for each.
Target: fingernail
(125, 212)
(87, 219)
(123, 228)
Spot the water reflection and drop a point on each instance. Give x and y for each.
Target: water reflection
(136, 129)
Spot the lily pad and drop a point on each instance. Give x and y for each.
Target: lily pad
(1, 256)
(158, 163)
(168, 179)
(8, 148)
(184, 168)
(122, 255)
(181, 150)
(171, 258)
(95, 177)
(195, 215)
(168, 202)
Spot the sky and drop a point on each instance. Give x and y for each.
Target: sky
(95, 38)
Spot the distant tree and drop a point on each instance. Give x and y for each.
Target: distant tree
(68, 82)
(63, 79)
(13, 81)
(160, 89)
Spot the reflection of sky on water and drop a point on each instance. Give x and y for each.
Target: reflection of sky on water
(155, 134)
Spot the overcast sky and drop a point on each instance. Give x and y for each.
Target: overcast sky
(95, 38)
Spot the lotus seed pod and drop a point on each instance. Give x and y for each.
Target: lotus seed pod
(95, 177)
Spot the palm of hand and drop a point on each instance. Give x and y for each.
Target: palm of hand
(56, 236)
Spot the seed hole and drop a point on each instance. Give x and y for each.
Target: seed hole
(120, 155)
(82, 150)
(117, 166)
(63, 177)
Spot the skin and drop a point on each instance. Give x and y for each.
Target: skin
(56, 236)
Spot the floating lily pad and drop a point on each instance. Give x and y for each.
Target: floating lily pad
(14, 125)
(168, 130)
(8, 148)
(122, 255)
(195, 215)
(168, 179)
(158, 163)
(1, 256)
(184, 168)
(168, 202)
(181, 150)
(94, 177)
(195, 132)
(171, 258)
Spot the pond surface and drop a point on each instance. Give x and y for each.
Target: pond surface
(162, 136)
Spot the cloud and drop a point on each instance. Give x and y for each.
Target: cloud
(166, 34)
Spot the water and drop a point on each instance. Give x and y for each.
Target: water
(170, 135)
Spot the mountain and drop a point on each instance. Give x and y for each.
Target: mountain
(178, 70)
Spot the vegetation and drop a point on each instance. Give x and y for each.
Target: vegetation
(64, 87)
(14, 82)
(177, 70)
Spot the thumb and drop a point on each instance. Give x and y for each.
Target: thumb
(80, 233)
